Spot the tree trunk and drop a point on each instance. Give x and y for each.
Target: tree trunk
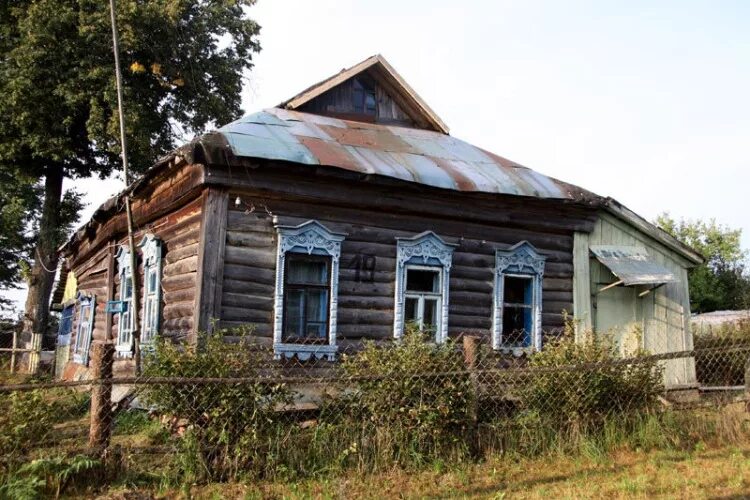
(44, 267)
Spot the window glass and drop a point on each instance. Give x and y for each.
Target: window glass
(370, 103)
(293, 313)
(422, 280)
(152, 281)
(305, 271)
(518, 290)
(411, 306)
(306, 299)
(430, 313)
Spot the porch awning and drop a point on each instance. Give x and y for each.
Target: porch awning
(633, 265)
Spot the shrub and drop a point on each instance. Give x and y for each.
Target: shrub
(225, 426)
(717, 367)
(577, 384)
(407, 402)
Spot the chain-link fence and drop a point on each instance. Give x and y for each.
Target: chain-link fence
(228, 411)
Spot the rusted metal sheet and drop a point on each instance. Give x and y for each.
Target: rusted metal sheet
(413, 155)
(633, 265)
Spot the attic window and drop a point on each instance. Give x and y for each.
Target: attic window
(364, 98)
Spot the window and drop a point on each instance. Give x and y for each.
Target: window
(306, 299)
(422, 275)
(126, 321)
(151, 249)
(86, 307)
(423, 296)
(363, 97)
(518, 299)
(305, 303)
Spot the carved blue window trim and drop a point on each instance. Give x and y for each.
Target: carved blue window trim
(523, 260)
(86, 307)
(311, 238)
(125, 321)
(151, 251)
(424, 249)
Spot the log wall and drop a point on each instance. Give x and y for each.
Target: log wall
(372, 222)
(179, 232)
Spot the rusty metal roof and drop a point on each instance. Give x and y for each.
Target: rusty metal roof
(414, 155)
(633, 265)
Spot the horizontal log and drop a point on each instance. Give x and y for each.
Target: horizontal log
(363, 317)
(184, 266)
(187, 236)
(250, 287)
(365, 302)
(245, 315)
(241, 221)
(248, 301)
(494, 209)
(249, 273)
(469, 321)
(258, 257)
(183, 295)
(184, 323)
(178, 282)
(251, 239)
(179, 253)
(557, 284)
(178, 310)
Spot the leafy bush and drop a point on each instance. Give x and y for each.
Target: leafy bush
(717, 367)
(577, 385)
(407, 402)
(224, 426)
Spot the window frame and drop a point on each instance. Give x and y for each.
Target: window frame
(82, 342)
(151, 249)
(124, 345)
(522, 260)
(421, 296)
(298, 286)
(428, 250)
(311, 238)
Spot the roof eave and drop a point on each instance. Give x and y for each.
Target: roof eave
(622, 212)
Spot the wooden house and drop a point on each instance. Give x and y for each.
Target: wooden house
(348, 211)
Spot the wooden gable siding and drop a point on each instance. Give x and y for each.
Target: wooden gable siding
(339, 101)
(180, 233)
(372, 217)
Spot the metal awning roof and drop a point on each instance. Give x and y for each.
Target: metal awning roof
(633, 265)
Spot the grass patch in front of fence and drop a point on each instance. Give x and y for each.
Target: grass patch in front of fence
(702, 471)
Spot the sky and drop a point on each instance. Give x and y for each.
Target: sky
(646, 102)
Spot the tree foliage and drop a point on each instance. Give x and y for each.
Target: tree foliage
(183, 66)
(183, 63)
(722, 281)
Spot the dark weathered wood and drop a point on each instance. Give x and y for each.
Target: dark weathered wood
(211, 257)
(379, 194)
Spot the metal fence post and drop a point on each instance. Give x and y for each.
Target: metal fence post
(102, 359)
(747, 384)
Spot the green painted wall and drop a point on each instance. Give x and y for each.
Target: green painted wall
(658, 321)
